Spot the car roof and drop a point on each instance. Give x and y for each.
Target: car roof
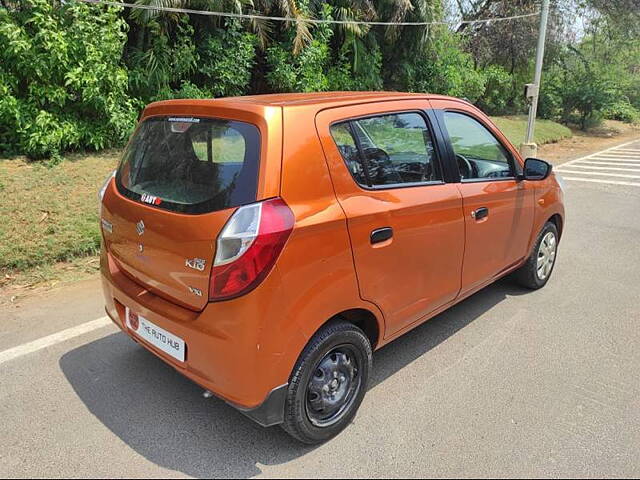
(289, 99)
(317, 100)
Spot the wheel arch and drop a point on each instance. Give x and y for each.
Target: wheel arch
(365, 320)
(557, 220)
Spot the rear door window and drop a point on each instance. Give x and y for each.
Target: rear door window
(191, 165)
(388, 150)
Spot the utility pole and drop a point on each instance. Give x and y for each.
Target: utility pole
(529, 147)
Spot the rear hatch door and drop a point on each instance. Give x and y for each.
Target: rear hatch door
(179, 181)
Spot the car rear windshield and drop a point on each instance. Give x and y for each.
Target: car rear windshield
(191, 165)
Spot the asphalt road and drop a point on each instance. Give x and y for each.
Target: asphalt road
(507, 383)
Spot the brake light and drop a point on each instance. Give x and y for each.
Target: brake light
(105, 185)
(248, 247)
(103, 189)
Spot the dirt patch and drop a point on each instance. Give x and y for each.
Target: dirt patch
(16, 286)
(610, 134)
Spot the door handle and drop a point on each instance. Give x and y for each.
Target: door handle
(381, 234)
(480, 213)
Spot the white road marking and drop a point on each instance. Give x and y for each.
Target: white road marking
(53, 339)
(610, 182)
(632, 170)
(621, 158)
(616, 158)
(606, 161)
(596, 154)
(621, 153)
(600, 174)
(608, 164)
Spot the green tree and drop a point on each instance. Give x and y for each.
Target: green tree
(62, 85)
(576, 90)
(442, 67)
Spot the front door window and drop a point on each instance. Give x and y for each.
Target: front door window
(479, 154)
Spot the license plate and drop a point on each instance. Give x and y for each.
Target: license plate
(156, 336)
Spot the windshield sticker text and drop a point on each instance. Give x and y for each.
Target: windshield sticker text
(153, 200)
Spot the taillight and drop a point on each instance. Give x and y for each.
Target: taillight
(105, 185)
(104, 188)
(248, 247)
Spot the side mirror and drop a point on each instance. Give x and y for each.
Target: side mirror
(535, 169)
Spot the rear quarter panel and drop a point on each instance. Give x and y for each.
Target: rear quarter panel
(316, 266)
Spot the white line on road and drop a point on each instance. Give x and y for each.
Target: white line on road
(599, 174)
(607, 161)
(632, 170)
(616, 159)
(621, 153)
(598, 153)
(607, 165)
(53, 339)
(612, 182)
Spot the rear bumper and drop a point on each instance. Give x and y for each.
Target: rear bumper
(223, 350)
(269, 413)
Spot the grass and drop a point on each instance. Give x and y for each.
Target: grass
(514, 128)
(50, 214)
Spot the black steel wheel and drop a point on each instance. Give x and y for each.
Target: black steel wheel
(333, 386)
(328, 383)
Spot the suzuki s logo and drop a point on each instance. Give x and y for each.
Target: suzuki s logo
(153, 200)
(140, 227)
(196, 263)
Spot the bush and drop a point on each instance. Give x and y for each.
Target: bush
(62, 86)
(189, 90)
(306, 71)
(622, 110)
(301, 73)
(443, 68)
(550, 103)
(366, 75)
(576, 91)
(227, 57)
(496, 99)
(159, 67)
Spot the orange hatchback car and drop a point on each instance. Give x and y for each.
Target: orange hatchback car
(264, 246)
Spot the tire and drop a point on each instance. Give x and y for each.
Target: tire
(337, 348)
(530, 275)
